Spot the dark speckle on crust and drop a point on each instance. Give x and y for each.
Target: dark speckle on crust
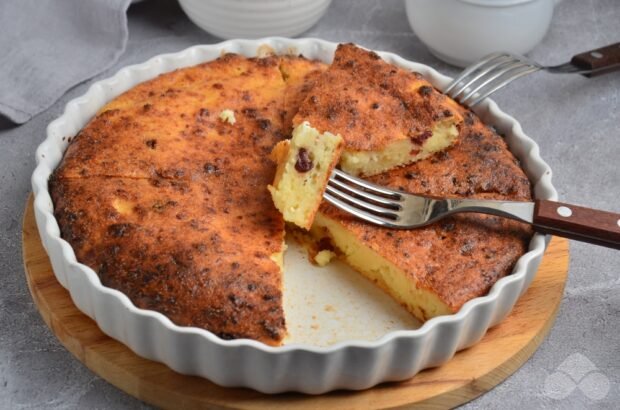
(119, 230)
(264, 123)
(332, 113)
(212, 169)
(425, 90)
(250, 112)
(272, 331)
(469, 118)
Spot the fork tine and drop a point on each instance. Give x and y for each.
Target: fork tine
(372, 188)
(470, 70)
(502, 84)
(492, 76)
(483, 73)
(364, 194)
(360, 204)
(356, 212)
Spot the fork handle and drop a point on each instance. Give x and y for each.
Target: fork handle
(578, 223)
(600, 61)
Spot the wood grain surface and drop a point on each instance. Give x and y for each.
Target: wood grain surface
(469, 374)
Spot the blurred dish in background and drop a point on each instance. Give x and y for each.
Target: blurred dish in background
(254, 19)
(461, 32)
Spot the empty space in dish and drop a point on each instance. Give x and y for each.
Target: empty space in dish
(334, 303)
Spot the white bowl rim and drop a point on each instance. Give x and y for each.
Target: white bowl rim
(43, 199)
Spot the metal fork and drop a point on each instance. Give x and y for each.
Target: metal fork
(497, 70)
(394, 209)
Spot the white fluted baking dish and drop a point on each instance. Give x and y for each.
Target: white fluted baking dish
(347, 364)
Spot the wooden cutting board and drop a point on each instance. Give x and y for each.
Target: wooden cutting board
(469, 374)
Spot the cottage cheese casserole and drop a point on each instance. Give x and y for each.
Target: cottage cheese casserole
(151, 200)
(164, 192)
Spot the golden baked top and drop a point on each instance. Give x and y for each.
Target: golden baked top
(460, 257)
(170, 126)
(371, 103)
(182, 248)
(300, 76)
(168, 202)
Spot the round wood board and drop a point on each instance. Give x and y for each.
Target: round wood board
(469, 374)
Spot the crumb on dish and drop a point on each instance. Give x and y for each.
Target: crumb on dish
(228, 116)
(324, 257)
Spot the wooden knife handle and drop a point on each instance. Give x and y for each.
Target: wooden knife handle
(602, 60)
(579, 223)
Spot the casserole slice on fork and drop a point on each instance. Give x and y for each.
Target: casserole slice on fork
(386, 117)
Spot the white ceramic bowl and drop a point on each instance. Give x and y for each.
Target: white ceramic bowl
(255, 18)
(352, 364)
(461, 32)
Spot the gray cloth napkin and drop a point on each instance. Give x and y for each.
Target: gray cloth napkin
(49, 46)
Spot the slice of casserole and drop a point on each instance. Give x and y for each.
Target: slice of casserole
(167, 202)
(386, 116)
(304, 165)
(435, 269)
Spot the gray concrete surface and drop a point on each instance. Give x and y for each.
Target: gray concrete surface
(575, 121)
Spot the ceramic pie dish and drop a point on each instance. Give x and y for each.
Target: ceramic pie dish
(303, 367)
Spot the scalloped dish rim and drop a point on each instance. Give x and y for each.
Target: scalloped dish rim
(79, 110)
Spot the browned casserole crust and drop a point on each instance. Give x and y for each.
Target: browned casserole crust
(460, 257)
(300, 76)
(371, 103)
(169, 127)
(168, 203)
(186, 249)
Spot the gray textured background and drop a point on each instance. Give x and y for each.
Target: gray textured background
(575, 121)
